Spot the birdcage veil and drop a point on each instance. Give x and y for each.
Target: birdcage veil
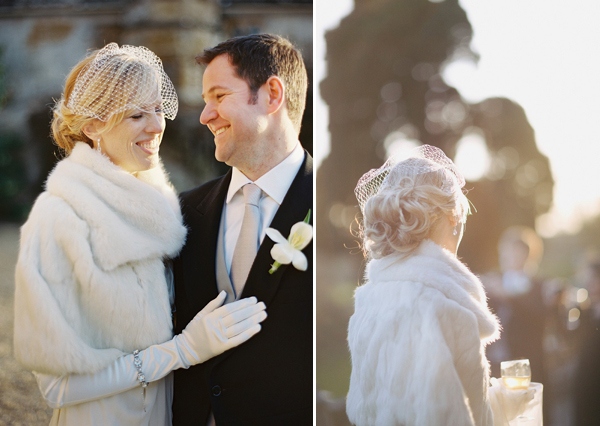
(422, 159)
(120, 79)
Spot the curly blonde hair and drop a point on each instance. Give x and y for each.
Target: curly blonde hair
(67, 127)
(400, 216)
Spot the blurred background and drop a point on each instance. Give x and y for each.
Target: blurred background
(510, 91)
(40, 41)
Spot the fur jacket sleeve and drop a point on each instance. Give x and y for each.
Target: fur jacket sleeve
(90, 282)
(417, 341)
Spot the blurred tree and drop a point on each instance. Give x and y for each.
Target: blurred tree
(517, 187)
(384, 86)
(383, 72)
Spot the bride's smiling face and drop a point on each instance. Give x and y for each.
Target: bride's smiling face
(133, 144)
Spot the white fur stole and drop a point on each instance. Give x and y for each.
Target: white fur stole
(90, 282)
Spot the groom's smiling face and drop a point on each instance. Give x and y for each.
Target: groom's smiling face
(237, 119)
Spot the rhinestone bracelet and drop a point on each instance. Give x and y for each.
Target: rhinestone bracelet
(138, 365)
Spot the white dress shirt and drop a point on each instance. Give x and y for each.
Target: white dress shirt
(274, 184)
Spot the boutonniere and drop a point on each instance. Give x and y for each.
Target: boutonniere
(288, 250)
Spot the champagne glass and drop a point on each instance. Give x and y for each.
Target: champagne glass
(516, 374)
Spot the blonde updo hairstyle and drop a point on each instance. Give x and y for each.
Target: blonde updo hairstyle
(106, 87)
(407, 209)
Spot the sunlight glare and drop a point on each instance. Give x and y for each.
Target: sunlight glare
(472, 156)
(398, 143)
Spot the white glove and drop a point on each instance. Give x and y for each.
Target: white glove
(507, 403)
(120, 376)
(216, 329)
(212, 331)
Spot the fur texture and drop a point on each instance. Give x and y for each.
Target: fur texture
(417, 341)
(90, 281)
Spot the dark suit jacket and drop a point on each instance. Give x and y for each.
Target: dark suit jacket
(268, 379)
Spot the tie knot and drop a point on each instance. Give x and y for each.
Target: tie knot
(251, 194)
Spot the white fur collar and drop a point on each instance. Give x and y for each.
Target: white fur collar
(89, 290)
(122, 210)
(435, 267)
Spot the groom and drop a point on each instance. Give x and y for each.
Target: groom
(255, 93)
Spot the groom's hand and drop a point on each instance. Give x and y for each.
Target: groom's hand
(217, 328)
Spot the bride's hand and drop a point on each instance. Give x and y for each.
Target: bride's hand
(217, 328)
(507, 403)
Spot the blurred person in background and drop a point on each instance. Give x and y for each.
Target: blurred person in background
(93, 297)
(586, 381)
(421, 322)
(517, 296)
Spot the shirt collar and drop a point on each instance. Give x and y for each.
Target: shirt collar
(276, 182)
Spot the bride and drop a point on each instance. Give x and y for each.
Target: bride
(421, 322)
(93, 316)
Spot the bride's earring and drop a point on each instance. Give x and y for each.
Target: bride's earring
(455, 230)
(99, 147)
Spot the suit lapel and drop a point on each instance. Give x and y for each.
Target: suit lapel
(203, 216)
(294, 208)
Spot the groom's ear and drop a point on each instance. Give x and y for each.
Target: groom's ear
(276, 94)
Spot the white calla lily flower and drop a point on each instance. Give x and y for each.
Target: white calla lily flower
(286, 251)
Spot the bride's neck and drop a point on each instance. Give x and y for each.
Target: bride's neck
(443, 235)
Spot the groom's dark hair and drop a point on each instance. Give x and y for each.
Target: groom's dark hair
(259, 56)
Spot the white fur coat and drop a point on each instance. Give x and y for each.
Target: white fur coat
(90, 280)
(417, 341)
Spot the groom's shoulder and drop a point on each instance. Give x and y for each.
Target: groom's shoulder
(196, 195)
(305, 174)
(308, 164)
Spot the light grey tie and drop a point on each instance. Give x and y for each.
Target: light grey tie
(247, 243)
